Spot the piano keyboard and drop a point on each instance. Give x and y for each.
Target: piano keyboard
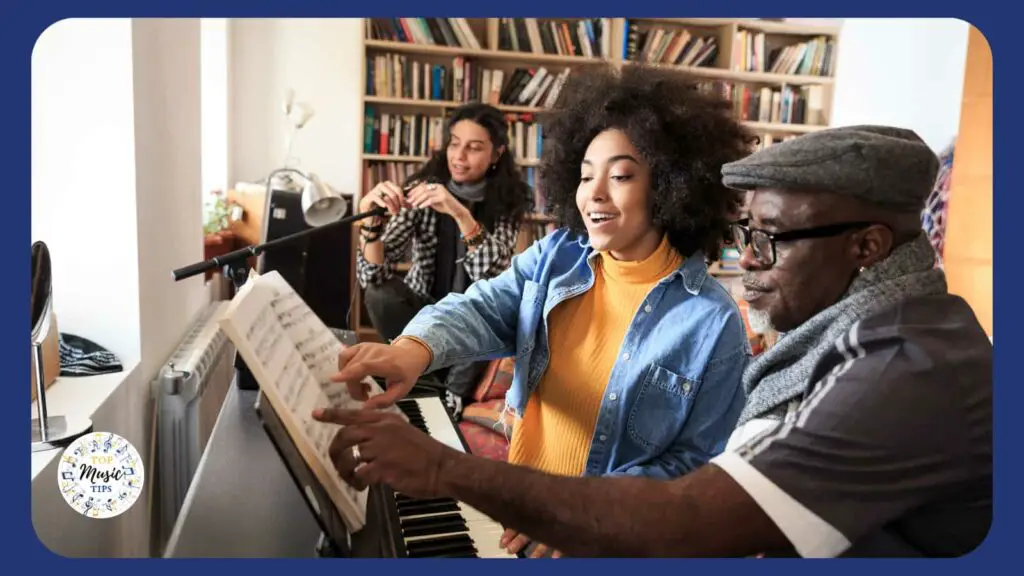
(442, 527)
(429, 415)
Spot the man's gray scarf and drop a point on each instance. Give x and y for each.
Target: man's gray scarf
(781, 374)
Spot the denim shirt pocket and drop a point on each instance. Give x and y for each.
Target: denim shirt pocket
(528, 318)
(661, 408)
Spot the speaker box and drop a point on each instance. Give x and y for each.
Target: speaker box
(318, 267)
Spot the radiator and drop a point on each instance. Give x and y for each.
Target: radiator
(188, 393)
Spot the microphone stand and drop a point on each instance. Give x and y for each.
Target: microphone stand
(238, 274)
(249, 251)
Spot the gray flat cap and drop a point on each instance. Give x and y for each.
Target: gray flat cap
(880, 164)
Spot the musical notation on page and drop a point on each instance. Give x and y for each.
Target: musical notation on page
(293, 356)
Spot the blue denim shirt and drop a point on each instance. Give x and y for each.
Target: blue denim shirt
(673, 396)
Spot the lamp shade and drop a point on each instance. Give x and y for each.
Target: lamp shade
(320, 204)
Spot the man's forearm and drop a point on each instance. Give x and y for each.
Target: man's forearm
(582, 517)
(702, 514)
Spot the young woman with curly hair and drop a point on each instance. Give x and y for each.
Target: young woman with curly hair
(461, 213)
(628, 355)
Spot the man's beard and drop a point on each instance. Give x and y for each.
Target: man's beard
(759, 320)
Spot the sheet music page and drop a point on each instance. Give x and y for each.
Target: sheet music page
(294, 351)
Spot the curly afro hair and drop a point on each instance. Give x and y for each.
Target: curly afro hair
(685, 134)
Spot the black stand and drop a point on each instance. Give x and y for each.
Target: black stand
(326, 548)
(234, 266)
(241, 254)
(243, 376)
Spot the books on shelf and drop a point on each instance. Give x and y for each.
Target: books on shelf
(586, 37)
(401, 134)
(464, 80)
(292, 355)
(777, 105)
(416, 136)
(807, 58)
(454, 32)
(675, 46)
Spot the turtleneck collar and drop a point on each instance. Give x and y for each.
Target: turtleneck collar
(469, 191)
(662, 262)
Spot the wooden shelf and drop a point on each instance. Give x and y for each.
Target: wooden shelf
(745, 77)
(383, 100)
(726, 30)
(482, 54)
(767, 127)
(716, 270)
(392, 158)
(766, 26)
(780, 128)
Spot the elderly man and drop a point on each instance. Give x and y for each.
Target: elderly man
(868, 427)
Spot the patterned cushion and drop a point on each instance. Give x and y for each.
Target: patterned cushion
(483, 441)
(491, 415)
(496, 380)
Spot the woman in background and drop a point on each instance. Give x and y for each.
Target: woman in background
(461, 214)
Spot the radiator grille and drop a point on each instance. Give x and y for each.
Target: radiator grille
(189, 392)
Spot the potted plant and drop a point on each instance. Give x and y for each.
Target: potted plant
(218, 239)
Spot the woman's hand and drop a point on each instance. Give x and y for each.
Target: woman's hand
(401, 364)
(436, 197)
(387, 195)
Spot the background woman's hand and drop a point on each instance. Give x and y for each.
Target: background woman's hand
(400, 364)
(387, 195)
(435, 197)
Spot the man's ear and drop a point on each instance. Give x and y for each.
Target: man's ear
(872, 245)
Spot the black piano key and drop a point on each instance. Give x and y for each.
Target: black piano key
(415, 416)
(436, 527)
(410, 408)
(420, 508)
(449, 544)
(402, 498)
(427, 520)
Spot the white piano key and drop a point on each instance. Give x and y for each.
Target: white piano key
(439, 422)
(485, 532)
(486, 537)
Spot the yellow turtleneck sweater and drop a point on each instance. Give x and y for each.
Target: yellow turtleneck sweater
(586, 333)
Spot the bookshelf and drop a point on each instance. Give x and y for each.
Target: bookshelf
(779, 76)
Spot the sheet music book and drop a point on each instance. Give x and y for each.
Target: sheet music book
(292, 355)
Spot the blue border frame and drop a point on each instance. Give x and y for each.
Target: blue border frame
(26, 20)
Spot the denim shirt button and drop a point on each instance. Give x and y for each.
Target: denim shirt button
(603, 438)
(647, 308)
(612, 396)
(625, 356)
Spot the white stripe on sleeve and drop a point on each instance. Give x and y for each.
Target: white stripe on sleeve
(810, 535)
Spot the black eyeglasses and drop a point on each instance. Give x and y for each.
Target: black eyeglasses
(763, 242)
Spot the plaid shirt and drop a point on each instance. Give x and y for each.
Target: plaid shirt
(419, 226)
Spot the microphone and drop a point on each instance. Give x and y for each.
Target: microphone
(243, 253)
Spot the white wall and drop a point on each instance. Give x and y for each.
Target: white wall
(321, 59)
(145, 76)
(213, 65)
(83, 178)
(907, 72)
